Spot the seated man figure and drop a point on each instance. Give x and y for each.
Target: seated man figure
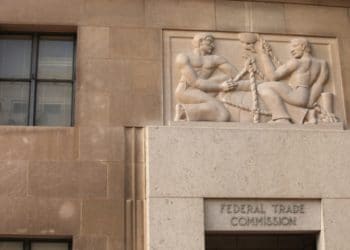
(198, 86)
(307, 78)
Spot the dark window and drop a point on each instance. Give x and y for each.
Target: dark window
(217, 241)
(35, 244)
(37, 73)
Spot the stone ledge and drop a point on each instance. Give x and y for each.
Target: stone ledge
(247, 163)
(240, 125)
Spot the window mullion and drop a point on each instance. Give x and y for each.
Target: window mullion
(33, 82)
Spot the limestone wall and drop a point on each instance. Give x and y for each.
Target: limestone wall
(303, 164)
(87, 181)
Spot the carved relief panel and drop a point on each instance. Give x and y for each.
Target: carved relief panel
(247, 77)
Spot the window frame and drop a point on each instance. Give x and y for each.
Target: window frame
(33, 79)
(27, 242)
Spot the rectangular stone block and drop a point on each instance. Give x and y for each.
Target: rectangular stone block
(13, 178)
(101, 143)
(53, 11)
(138, 109)
(262, 215)
(104, 76)
(14, 216)
(238, 162)
(93, 42)
(41, 11)
(232, 15)
(314, 20)
(32, 216)
(116, 181)
(147, 110)
(342, 3)
(144, 76)
(175, 222)
(103, 217)
(90, 243)
(93, 109)
(268, 17)
(114, 13)
(32, 143)
(344, 47)
(53, 216)
(67, 179)
(135, 43)
(198, 14)
(116, 243)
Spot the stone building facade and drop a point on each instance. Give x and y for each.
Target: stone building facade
(125, 176)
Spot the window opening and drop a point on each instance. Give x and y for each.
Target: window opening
(219, 241)
(35, 244)
(37, 75)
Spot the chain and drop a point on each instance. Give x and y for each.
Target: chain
(245, 108)
(253, 88)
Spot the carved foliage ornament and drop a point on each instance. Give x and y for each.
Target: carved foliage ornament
(211, 89)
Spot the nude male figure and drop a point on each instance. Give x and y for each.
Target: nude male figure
(198, 86)
(307, 78)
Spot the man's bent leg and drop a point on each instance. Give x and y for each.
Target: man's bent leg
(212, 110)
(200, 106)
(274, 102)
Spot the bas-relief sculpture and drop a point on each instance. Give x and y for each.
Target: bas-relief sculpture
(290, 92)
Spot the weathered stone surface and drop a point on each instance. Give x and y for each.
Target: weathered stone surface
(144, 76)
(268, 17)
(103, 217)
(336, 223)
(67, 179)
(31, 11)
(214, 162)
(32, 216)
(232, 15)
(114, 13)
(135, 43)
(13, 178)
(90, 243)
(101, 143)
(314, 20)
(198, 14)
(116, 181)
(139, 109)
(344, 44)
(28, 143)
(93, 42)
(104, 75)
(116, 243)
(175, 216)
(94, 108)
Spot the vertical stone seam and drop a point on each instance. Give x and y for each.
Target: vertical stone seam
(284, 18)
(81, 217)
(322, 238)
(215, 15)
(27, 178)
(249, 16)
(79, 143)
